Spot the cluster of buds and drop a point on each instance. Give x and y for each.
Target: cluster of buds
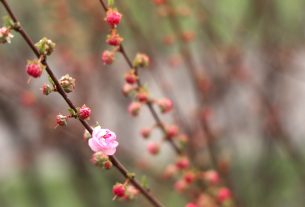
(5, 31)
(187, 176)
(81, 113)
(34, 68)
(66, 82)
(101, 160)
(113, 19)
(124, 191)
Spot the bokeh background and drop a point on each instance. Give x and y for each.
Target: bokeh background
(249, 57)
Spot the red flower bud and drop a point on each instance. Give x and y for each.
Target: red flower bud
(165, 104)
(119, 190)
(182, 163)
(84, 112)
(134, 108)
(130, 77)
(224, 194)
(34, 68)
(145, 132)
(113, 17)
(114, 39)
(153, 148)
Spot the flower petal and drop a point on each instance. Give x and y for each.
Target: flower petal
(94, 145)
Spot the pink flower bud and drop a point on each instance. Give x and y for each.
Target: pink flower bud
(172, 131)
(98, 159)
(145, 132)
(107, 164)
(188, 36)
(191, 205)
(119, 190)
(61, 120)
(189, 177)
(134, 108)
(130, 77)
(84, 112)
(113, 17)
(127, 88)
(46, 89)
(114, 39)
(159, 2)
(183, 138)
(131, 192)
(211, 177)
(107, 57)
(165, 104)
(142, 96)
(170, 171)
(153, 148)
(182, 163)
(224, 194)
(34, 69)
(141, 60)
(180, 185)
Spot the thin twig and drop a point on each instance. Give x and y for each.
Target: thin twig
(155, 115)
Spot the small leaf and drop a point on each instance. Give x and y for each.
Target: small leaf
(131, 175)
(144, 182)
(110, 3)
(8, 22)
(51, 81)
(72, 112)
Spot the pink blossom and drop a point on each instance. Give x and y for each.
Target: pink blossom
(103, 140)
(180, 185)
(191, 205)
(223, 194)
(165, 104)
(153, 148)
(212, 177)
(107, 57)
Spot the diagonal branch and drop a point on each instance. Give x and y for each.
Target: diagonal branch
(120, 167)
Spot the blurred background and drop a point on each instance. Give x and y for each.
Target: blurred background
(240, 64)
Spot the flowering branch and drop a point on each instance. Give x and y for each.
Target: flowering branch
(149, 104)
(120, 167)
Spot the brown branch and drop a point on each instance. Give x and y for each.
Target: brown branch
(120, 167)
